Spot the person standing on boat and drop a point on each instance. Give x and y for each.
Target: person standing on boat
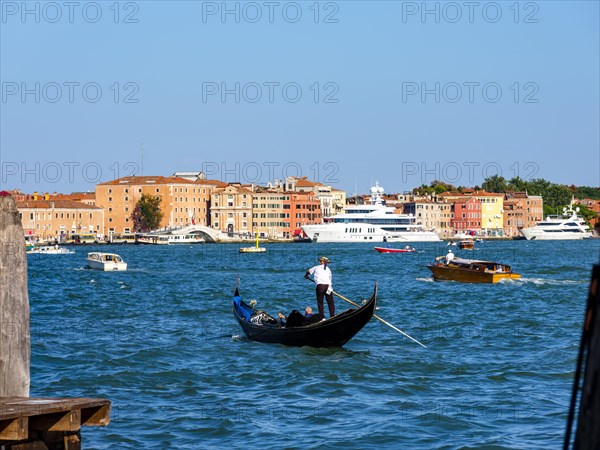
(449, 256)
(322, 277)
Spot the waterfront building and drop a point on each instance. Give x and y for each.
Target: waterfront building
(271, 213)
(514, 217)
(333, 201)
(466, 215)
(432, 214)
(492, 220)
(46, 219)
(305, 209)
(231, 209)
(533, 207)
(183, 202)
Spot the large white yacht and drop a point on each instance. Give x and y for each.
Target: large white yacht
(568, 226)
(370, 223)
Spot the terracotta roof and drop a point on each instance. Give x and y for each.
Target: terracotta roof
(465, 200)
(58, 204)
(76, 196)
(303, 182)
(157, 180)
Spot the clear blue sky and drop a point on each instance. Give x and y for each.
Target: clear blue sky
(537, 117)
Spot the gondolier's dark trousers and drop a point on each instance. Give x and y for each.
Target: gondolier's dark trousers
(321, 292)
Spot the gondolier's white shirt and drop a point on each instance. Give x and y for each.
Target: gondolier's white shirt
(322, 275)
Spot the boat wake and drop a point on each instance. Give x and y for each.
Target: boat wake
(426, 280)
(544, 281)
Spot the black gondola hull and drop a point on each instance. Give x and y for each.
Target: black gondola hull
(334, 332)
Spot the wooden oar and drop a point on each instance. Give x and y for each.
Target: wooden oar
(376, 316)
(381, 320)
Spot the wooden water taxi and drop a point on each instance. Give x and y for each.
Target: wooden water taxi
(471, 271)
(466, 244)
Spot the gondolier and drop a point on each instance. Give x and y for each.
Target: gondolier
(322, 277)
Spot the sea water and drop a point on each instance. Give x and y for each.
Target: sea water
(160, 341)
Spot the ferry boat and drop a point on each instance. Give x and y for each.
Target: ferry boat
(106, 261)
(170, 238)
(568, 226)
(370, 223)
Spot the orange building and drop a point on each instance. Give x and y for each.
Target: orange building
(48, 220)
(305, 209)
(184, 202)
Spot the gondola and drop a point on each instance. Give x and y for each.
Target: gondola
(333, 332)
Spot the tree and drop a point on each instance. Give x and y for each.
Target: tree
(147, 213)
(495, 183)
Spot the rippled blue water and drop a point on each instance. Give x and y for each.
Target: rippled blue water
(160, 341)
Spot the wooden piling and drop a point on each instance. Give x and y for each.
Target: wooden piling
(14, 303)
(588, 429)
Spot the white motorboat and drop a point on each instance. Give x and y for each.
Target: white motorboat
(370, 223)
(49, 250)
(568, 226)
(106, 261)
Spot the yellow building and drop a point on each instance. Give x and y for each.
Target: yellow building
(492, 213)
(184, 202)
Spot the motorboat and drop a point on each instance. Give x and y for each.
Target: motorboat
(568, 226)
(49, 250)
(471, 271)
(406, 249)
(374, 222)
(107, 262)
(466, 244)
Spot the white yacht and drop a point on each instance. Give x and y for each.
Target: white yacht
(568, 226)
(370, 223)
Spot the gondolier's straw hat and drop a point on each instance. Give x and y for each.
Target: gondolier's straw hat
(324, 258)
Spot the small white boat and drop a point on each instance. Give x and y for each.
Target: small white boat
(106, 261)
(49, 250)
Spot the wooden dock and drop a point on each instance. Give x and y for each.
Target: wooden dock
(28, 423)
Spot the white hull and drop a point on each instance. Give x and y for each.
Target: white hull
(541, 235)
(365, 232)
(49, 251)
(171, 239)
(106, 266)
(107, 262)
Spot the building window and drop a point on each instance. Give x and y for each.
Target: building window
(110, 199)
